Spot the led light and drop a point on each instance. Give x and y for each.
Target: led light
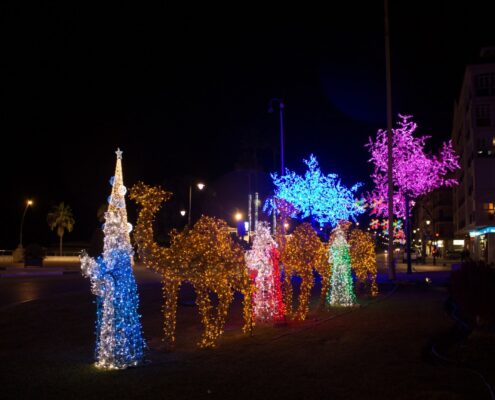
(415, 172)
(262, 261)
(341, 291)
(119, 339)
(303, 253)
(363, 259)
(204, 255)
(321, 197)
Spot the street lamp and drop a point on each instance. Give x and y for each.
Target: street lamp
(182, 212)
(200, 186)
(238, 216)
(282, 166)
(29, 203)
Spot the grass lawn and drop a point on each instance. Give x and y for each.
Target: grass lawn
(379, 351)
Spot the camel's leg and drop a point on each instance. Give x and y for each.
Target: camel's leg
(304, 296)
(170, 293)
(374, 286)
(225, 297)
(204, 305)
(325, 287)
(247, 307)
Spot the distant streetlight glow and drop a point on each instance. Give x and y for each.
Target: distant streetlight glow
(238, 216)
(201, 186)
(428, 222)
(183, 212)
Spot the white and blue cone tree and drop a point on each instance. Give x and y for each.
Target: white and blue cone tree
(119, 337)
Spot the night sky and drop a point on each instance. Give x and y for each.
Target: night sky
(184, 93)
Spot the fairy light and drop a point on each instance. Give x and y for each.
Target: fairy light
(262, 261)
(341, 291)
(415, 172)
(119, 339)
(205, 255)
(303, 252)
(363, 259)
(321, 197)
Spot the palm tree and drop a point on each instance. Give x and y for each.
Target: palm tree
(61, 217)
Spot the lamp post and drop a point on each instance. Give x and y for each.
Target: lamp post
(18, 254)
(200, 186)
(28, 204)
(282, 165)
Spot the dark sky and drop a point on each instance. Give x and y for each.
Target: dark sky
(184, 92)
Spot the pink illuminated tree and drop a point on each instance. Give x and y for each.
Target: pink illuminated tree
(415, 172)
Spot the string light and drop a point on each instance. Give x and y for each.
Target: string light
(262, 261)
(321, 197)
(206, 256)
(119, 340)
(341, 291)
(303, 253)
(363, 259)
(415, 172)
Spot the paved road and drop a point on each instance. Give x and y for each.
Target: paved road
(19, 290)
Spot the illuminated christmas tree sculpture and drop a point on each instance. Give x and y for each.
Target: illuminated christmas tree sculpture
(262, 261)
(341, 286)
(119, 339)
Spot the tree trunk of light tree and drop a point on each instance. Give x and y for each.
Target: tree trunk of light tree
(60, 245)
(407, 228)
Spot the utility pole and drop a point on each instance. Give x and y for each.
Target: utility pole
(390, 254)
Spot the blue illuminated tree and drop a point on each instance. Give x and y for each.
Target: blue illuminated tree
(119, 339)
(322, 198)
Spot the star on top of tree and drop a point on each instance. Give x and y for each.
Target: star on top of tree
(119, 154)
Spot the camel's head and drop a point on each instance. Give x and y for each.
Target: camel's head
(149, 197)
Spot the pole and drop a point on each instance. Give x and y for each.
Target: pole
(22, 224)
(407, 227)
(390, 258)
(282, 166)
(256, 202)
(250, 216)
(190, 200)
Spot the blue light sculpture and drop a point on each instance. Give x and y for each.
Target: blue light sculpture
(321, 197)
(119, 339)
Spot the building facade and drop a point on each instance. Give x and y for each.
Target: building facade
(433, 223)
(473, 136)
